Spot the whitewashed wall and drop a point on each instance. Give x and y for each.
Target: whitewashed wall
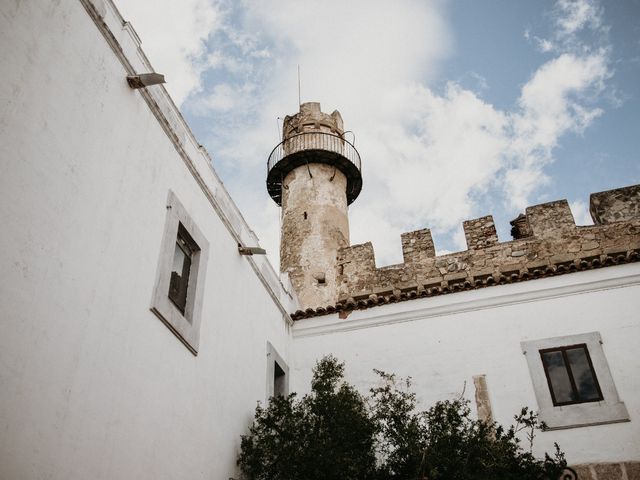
(442, 342)
(92, 384)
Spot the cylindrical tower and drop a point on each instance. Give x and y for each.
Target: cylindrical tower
(314, 174)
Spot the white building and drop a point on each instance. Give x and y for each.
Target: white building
(113, 367)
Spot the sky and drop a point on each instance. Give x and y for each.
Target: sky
(460, 108)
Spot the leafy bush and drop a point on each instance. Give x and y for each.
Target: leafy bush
(336, 433)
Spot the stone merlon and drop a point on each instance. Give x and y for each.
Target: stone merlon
(546, 241)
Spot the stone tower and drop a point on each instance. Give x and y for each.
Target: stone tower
(314, 174)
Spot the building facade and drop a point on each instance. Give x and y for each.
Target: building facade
(137, 335)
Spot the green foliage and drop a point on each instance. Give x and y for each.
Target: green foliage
(335, 433)
(328, 434)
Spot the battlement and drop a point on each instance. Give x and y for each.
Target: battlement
(311, 118)
(546, 242)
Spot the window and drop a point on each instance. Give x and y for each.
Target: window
(570, 375)
(572, 381)
(279, 381)
(184, 252)
(277, 373)
(179, 286)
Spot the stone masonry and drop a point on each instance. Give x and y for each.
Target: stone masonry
(547, 242)
(608, 471)
(314, 209)
(615, 205)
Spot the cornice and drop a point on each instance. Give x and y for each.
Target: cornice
(125, 44)
(420, 309)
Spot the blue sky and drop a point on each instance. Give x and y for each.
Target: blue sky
(460, 108)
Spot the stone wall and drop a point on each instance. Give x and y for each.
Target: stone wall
(310, 118)
(608, 471)
(314, 226)
(547, 242)
(315, 223)
(615, 205)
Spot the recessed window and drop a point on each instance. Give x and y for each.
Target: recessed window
(277, 374)
(279, 381)
(178, 293)
(572, 381)
(570, 375)
(184, 251)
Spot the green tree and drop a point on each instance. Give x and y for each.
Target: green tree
(327, 434)
(336, 433)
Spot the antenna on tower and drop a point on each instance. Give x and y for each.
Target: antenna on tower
(299, 100)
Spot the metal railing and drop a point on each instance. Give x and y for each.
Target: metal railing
(327, 142)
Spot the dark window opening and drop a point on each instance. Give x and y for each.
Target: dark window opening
(570, 375)
(279, 385)
(185, 249)
(305, 215)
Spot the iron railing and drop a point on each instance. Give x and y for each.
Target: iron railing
(327, 142)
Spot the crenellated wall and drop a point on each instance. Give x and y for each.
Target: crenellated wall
(547, 242)
(615, 205)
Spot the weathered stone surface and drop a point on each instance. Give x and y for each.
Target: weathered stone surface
(554, 241)
(310, 118)
(483, 403)
(480, 233)
(314, 212)
(584, 472)
(608, 471)
(551, 220)
(633, 470)
(520, 227)
(417, 246)
(615, 205)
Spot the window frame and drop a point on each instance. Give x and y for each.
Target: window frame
(184, 325)
(610, 409)
(567, 363)
(274, 358)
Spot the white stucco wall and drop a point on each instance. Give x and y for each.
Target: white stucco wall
(92, 384)
(442, 342)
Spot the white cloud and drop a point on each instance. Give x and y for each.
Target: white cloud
(429, 157)
(571, 18)
(174, 38)
(575, 15)
(224, 98)
(545, 45)
(554, 101)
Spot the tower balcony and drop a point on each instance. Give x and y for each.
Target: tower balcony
(313, 147)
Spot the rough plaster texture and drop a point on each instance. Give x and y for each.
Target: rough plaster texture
(442, 342)
(554, 241)
(314, 211)
(314, 227)
(93, 384)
